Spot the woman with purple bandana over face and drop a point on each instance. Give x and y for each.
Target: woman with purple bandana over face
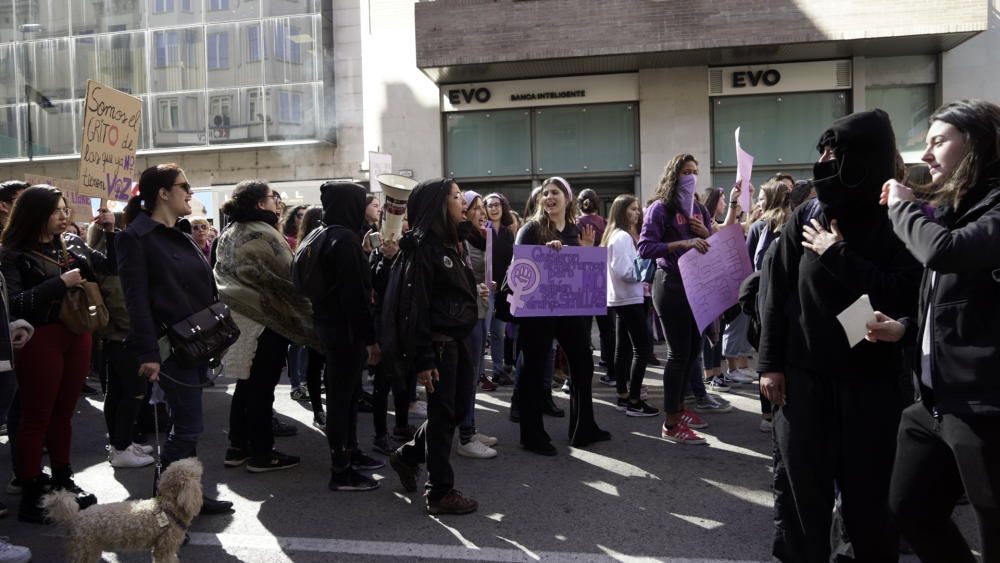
(674, 224)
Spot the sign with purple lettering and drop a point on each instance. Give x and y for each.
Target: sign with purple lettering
(111, 121)
(565, 283)
(712, 280)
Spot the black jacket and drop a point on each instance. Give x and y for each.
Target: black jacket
(964, 301)
(166, 279)
(344, 264)
(34, 288)
(503, 253)
(805, 293)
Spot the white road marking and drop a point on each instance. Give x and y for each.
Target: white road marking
(279, 546)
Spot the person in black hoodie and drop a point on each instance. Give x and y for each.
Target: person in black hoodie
(346, 331)
(949, 442)
(429, 310)
(837, 406)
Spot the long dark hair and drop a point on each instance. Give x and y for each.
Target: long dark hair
(506, 219)
(152, 180)
(30, 216)
(979, 121)
(589, 202)
(712, 197)
(246, 196)
(368, 201)
(288, 227)
(312, 219)
(532, 203)
(666, 191)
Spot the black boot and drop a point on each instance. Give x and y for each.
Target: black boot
(31, 496)
(62, 480)
(550, 407)
(212, 506)
(515, 412)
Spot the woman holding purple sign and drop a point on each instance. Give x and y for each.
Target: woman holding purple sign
(674, 224)
(552, 225)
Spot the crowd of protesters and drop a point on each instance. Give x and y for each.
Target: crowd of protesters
(873, 441)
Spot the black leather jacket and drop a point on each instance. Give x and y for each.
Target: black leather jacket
(34, 288)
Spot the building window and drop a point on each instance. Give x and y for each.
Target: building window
(217, 5)
(909, 107)
(186, 6)
(253, 43)
(253, 107)
(167, 49)
(164, 6)
(169, 114)
(290, 107)
(191, 41)
(218, 50)
(219, 109)
(285, 46)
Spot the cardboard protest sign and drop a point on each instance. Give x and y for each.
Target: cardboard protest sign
(80, 204)
(111, 122)
(567, 283)
(744, 166)
(712, 280)
(378, 163)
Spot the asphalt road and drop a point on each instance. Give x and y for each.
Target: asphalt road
(635, 498)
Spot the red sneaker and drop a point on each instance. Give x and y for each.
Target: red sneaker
(693, 420)
(486, 385)
(681, 434)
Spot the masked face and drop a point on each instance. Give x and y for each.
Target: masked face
(686, 186)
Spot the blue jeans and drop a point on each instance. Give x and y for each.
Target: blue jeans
(476, 343)
(183, 394)
(498, 329)
(298, 358)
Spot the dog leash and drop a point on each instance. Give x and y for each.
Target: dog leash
(155, 398)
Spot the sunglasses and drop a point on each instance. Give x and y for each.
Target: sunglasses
(199, 227)
(184, 186)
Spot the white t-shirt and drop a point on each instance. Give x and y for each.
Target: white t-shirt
(624, 288)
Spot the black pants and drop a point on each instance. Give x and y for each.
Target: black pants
(390, 375)
(314, 379)
(606, 336)
(683, 340)
(936, 461)
(536, 334)
(835, 433)
(253, 399)
(126, 393)
(446, 407)
(632, 348)
(345, 358)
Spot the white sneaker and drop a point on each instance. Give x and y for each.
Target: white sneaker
(739, 376)
(486, 440)
(710, 405)
(765, 425)
(752, 374)
(476, 449)
(144, 448)
(130, 457)
(418, 409)
(10, 553)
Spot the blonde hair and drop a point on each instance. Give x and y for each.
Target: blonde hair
(546, 230)
(777, 206)
(198, 220)
(618, 216)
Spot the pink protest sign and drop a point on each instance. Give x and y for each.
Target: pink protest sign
(712, 280)
(744, 165)
(565, 283)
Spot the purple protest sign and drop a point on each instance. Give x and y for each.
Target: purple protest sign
(570, 282)
(712, 280)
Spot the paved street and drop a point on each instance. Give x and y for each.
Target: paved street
(636, 498)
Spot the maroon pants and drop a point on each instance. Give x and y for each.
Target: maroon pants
(51, 370)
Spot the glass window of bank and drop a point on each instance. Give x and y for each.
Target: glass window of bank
(779, 130)
(512, 150)
(207, 71)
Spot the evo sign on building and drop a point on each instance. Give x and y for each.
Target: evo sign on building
(779, 78)
(540, 92)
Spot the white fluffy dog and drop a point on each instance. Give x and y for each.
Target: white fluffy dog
(156, 525)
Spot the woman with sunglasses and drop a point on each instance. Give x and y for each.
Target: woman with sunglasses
(201, 232)
(40, 266)
(166, 279)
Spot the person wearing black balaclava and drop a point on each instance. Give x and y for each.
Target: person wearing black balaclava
(430, 309)
(837, 406)
(346, 331)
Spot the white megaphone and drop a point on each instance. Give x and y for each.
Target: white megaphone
(397, 190)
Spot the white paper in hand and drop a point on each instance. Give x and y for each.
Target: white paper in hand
(854, 319)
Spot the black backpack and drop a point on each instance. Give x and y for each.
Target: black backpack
(307, 273)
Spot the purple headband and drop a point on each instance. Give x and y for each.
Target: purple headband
(469, 197)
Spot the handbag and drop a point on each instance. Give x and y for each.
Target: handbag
(82, 308)
(203, 336)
